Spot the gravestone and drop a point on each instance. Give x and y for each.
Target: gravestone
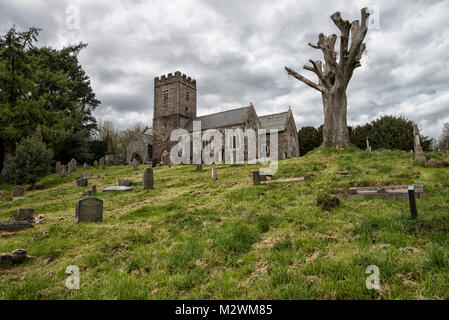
(85, 175)
(199, 167)
(57, 167)
(135, 164)
(18, 191)
(96, 165)
(256, 177)
(412, 154)
(214, 173)
(368, 147)
(89, 210)
(101, 162)
(123, 182)
(165, 157)
(24, 214)
(93, 191)
(419, 153)
(86, 166)
(148, 178)
(62, 171)
(72, 166)
(116, 159)
(82, 182)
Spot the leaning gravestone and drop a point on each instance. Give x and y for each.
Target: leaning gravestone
(24, 214)
(148, 178)
(96, 165)
(89, 210)
(82, 182)
(18, 191)
(57, 166)
(123, 182)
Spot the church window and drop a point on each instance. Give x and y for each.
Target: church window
(165, 96)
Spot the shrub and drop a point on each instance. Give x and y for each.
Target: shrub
(31, 161)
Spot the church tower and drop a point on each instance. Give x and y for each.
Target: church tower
(174, 104)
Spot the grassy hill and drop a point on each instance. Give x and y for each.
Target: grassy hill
(194, 238)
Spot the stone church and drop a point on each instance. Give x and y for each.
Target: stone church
(175, 106)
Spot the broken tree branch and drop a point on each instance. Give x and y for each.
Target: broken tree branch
(305, 80)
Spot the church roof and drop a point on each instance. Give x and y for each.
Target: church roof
(219, 119)
(274, 121)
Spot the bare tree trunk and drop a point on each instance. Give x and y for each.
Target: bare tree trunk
(334, 76)
(335, 128)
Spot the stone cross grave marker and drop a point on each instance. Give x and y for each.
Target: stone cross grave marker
(89, 210)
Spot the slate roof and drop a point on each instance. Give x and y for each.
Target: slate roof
(274, 121)
(220, 119)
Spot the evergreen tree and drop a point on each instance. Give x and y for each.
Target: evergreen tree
(31, 161)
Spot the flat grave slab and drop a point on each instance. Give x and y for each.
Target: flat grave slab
(396, 192)
(118, 188)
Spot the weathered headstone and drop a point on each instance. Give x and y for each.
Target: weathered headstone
(368, 147)
(101, 162)
(419, 153)
(412, 154)
(96, 165)
(85, 175)
(214, 173)
(62, 170)
(85, 166)
(116, 159)
(57, 166)
(256, 177)
(24, 214)
(123, 182)
(148, 178)
(18, 191)
(89, 210)
(199, 167)
(93, 191)
(72, 166)
(83, 182)
(135, 164)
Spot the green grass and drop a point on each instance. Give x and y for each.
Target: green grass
(189, 237)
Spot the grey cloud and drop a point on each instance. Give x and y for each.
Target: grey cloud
(237, 50)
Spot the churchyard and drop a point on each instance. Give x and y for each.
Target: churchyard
(198, 233)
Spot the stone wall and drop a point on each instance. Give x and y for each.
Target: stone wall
(138, 148)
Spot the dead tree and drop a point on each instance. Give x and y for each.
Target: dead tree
(334, 77)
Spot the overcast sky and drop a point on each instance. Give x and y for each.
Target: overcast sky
(237, 50)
